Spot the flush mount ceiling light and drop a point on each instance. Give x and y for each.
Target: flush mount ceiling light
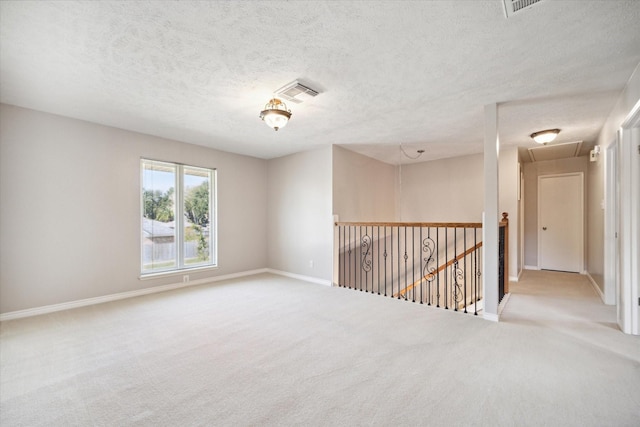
(275, 114)
(545, 136)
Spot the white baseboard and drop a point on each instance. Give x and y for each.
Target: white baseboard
(531, 267)
(503, 303)
(300, 277)
(595, 286)
(122, 295)
(496, 317)
(490, 316)
(514, 278)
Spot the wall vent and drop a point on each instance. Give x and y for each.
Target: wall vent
(512, 7)
(296, 92)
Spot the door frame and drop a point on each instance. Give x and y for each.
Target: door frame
(582, 218)
(629, 223)
(611, 223)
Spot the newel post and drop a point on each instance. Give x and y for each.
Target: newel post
(505, 223)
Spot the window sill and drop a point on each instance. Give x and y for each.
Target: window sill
(182, 272)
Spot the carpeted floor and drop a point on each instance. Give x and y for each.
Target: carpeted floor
(269, 350)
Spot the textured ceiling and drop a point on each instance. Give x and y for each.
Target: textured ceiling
(389, 72)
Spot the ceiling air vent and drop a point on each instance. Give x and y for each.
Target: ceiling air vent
(511, 7)
(296, 92)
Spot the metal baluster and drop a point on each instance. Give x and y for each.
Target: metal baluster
(475, 273)
(406, 257)
(446, 259)
(437, 261)
(413, 261)
(391, 260)
(349, 263)
(431, 278)
(454, 278)
(361, 270)
(421, 270)
(371, 268)
(355, 258)
(465, 271)
(370, 262)
(398, 238)
(385, 260)
(378, 264)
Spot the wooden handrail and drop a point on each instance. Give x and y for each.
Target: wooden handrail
(414, 224)
(439, 269)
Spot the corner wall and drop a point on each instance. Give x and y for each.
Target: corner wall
(299, 219)
(363, 188)
(605, 241)
(70, 211)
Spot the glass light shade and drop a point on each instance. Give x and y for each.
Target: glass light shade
(275, 114)
(545, 136)
(275, 119)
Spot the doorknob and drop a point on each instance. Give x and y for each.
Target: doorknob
(544, 228)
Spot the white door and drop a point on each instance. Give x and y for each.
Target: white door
(560, 222)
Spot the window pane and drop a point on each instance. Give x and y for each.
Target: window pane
(197, 204)
(158, 222)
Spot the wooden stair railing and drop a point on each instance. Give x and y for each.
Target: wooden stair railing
(432, 274)
(364, 250)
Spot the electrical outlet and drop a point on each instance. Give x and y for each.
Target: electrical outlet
(185, 278)
(311, 264)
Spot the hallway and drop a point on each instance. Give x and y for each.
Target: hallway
(565, 304)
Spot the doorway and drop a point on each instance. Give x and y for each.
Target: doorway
(561, 222)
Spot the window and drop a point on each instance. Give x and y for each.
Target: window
(178, 217)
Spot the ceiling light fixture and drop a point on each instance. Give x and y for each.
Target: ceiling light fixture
(545, 136)
(275, 114)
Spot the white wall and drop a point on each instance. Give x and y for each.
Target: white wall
(363, 188)
(595, 220)
(452, 190)
(445, 190)
(531, 173)
(300, 220)
(70, 208)
(508, 202)
(629, 97)
(624, 265)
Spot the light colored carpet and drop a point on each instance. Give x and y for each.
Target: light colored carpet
(268, 350)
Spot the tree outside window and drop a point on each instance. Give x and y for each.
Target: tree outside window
(176, 224)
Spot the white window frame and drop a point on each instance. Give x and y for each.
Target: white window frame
(179, 219)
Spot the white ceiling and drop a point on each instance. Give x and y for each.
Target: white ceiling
(390, 72)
